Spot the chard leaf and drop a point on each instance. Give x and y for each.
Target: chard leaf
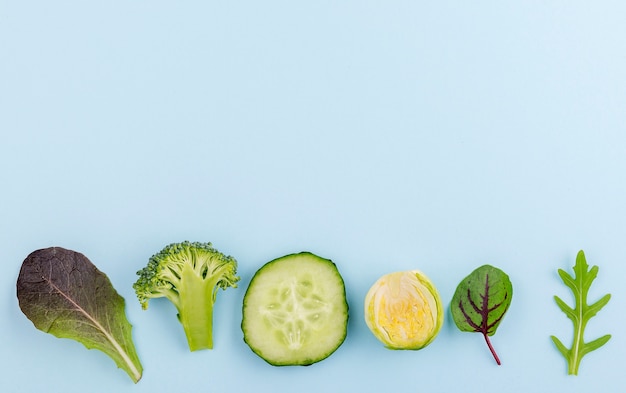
(580, 314)
(480, 302)
(64, 294)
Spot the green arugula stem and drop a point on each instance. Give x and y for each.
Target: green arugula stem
(578, 339)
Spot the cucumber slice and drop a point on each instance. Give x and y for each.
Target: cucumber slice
(295, 310)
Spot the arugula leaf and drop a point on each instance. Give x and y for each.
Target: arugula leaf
(581, 313)
(64, 294)
(480, 302)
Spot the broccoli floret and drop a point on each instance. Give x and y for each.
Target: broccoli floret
(189, 275)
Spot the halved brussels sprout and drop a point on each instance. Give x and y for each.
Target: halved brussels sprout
(403, 310)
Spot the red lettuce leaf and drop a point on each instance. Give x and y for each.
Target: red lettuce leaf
(64, 294)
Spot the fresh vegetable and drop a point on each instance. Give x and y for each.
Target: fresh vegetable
(295, 310)
(64, 294)
(189, 275)
(403, 310)
(480, 302)
(581, 313)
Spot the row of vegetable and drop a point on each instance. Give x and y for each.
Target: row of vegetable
(294, 311)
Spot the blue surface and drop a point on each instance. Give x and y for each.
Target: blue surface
(383, 135)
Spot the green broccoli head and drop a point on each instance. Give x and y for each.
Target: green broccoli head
(189, 275)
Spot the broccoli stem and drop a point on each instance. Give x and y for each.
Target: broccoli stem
(195, 310)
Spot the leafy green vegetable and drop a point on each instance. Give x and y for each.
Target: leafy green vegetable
(189, 275)
(64, 294)
(581, 313)
(480, 302)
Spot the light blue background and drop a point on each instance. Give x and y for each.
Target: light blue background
(385, 135)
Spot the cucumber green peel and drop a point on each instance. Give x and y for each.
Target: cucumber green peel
(295, 310)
